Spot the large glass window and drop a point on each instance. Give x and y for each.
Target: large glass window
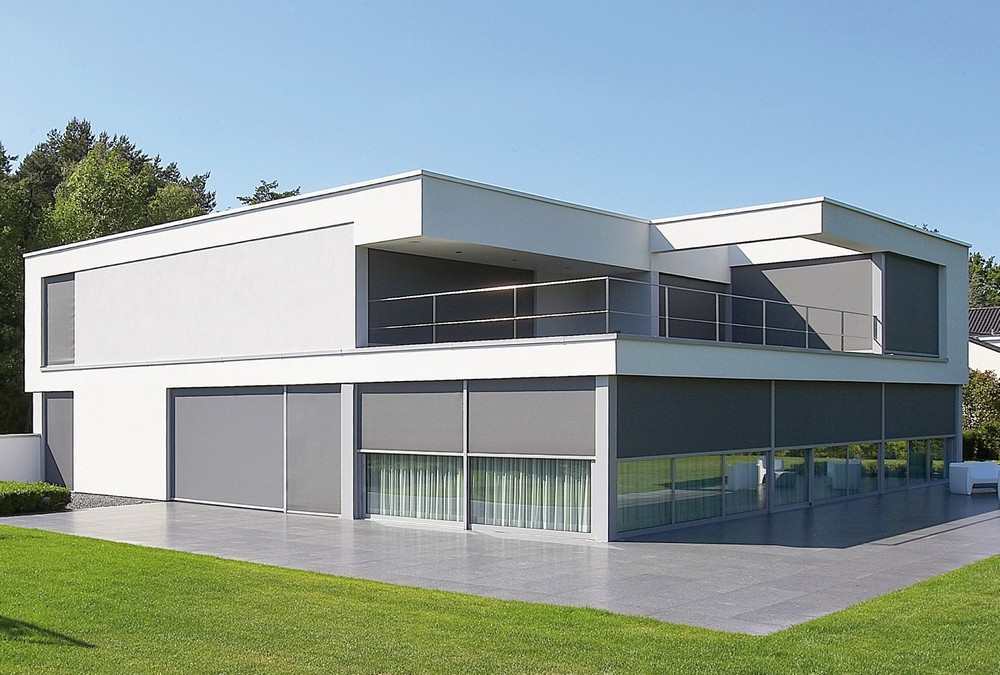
(791, 477)
(414, 486)
(862, 468)
(917, 461)
(744, 489)
(894, 467)
(645, 493)
(544, 494)
(697, 487)
(939, 467)
(830, 477)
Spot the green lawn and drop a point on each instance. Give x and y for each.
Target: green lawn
(73, 605)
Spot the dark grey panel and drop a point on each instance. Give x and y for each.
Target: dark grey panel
(915, 410)
(60, 320)
(419, 417)
(57, 420)
(911, 305)
(672, 415)
(818, 413)
(396, 274)
(228, 446)
(692, 307)
(313, 449)
(535, 417)
(840, 284)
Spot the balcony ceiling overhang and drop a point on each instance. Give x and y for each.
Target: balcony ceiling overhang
(502, 257)
(818, 219)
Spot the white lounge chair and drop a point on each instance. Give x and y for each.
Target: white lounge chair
(964, 476)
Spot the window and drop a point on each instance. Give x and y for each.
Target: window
(59, 320)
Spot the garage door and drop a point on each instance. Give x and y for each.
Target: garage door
(228, 446)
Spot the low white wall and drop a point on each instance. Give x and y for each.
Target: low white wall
(21, 457)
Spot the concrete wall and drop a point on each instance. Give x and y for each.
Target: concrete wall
(284, 294)
(21, 457)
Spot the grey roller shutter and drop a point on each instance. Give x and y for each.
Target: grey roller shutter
(820, 413)
(313, 447)
(57, 425)
(60, 320)
(419, 417)
(919, 410)
(228, 446)
(660, 416)
(532, 417)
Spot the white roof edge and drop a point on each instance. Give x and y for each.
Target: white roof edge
(537, 198)
(218, 215)
(738, 210)
(803, 202)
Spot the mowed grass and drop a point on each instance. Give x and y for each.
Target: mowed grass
(75, 605)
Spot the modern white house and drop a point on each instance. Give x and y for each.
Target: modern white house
(430, 349)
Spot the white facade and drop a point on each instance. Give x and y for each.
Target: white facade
(280, 295)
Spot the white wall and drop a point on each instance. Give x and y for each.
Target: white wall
(290, 293)
(464, 212)
(983, 358)
(21, 457)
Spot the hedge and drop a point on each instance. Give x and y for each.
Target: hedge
(17, 497)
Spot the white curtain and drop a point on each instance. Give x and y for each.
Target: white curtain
(545, 494)
(414, 486)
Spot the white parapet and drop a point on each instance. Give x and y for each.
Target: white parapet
(21, 457)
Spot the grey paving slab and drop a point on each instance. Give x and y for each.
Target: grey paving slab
(757, 575)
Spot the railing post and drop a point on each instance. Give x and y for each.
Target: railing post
(434, 318)
(515, 312)
(806, 332)
(763, 321)
(717, 298)
(607, 304)
(666, 311)
(843, 331)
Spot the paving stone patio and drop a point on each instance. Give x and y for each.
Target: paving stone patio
(756, 575)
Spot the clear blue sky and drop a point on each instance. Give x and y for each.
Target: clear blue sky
(647, 108)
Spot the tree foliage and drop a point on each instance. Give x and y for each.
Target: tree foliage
(74, 185)
(981, 415)
(984, 281)
(267, 191)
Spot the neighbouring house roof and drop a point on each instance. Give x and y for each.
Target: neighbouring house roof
(984, 321)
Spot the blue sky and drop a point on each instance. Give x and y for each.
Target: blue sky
(648, 108)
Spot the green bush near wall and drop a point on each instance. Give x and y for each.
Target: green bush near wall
(982, 443)
(17, 497)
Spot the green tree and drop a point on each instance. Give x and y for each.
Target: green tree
(72, 186)
(981, 415)
(984, 281)
(267, 192)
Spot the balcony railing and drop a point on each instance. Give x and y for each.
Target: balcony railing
(599, 305)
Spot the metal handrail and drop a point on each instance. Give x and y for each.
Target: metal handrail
(722, 323)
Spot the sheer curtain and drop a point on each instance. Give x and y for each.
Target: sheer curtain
(544, 494)
(414, 486)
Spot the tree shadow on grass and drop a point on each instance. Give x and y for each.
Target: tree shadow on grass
(21, 631)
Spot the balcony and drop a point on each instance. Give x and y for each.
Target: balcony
(604, 305)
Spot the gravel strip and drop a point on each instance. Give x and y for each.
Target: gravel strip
(84, 500)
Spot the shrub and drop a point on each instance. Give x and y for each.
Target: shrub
(17, 497)
(981, 444)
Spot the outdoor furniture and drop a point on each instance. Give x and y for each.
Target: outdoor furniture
(964, 476)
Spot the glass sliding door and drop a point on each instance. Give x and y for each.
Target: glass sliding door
(939, 467)
(791, 477)
(894, 465)
(414, 486)
(830, 477)
(645, 492)
(917, 461)
(697, 487)
(542, 494)
(862, 468)
(744, 476)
